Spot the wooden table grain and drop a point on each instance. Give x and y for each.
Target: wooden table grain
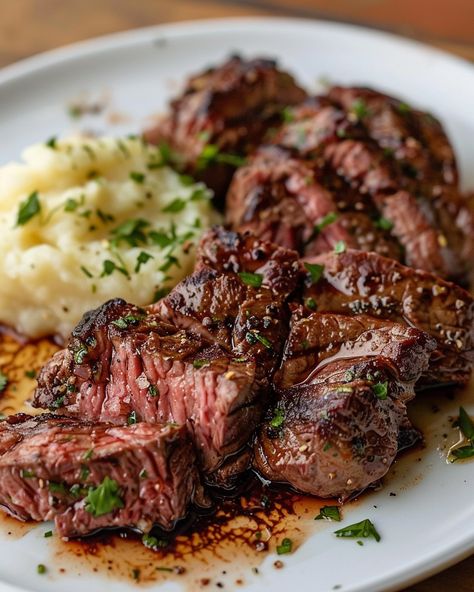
(28, 27)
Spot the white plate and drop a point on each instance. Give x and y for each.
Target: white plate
(430, 523)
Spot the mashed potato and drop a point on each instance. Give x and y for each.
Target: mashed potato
(85, 220)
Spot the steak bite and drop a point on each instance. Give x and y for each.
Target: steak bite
(316, 340)
(86, 477)
(224, 112)
(237, 296)
(337, 431)
(354, 282)
(124, 365)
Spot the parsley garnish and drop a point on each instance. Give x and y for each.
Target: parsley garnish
(151, 542)
(51, 143)
(88, 454)
(311, 303)
(3, 381)
(80, 354)
(143, 474)
(380, 390)
(41, 569)
(160, 293)
(137, 177)
(285, 547)
(177, 205)
(287, 115)
(466, 426)
(340, 247)
(104, 498)
(315, 270)
(251, 279)
(27, 474)
(363, 529)
(130, 232)
(210, 154)
(110, 266)
(142, 259)
(359, 108)
(200, 363)
(152, 391)
(403, 108)
(383, 223)
(278, 418)
(329, 513)
(28, 209)
(326, 221)
(48, 534)
(57, 488)
(263, 340)
(124, 322)
(132, 418)
(30, 373)
(86, 272)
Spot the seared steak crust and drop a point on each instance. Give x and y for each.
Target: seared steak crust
(230, 106)
(50, 464)
(336, 430)
(354, 282)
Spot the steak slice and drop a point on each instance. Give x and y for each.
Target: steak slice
(237, 296)
(283, 199)
(124, 365)
(316, 340)
(338, 431)
(228, 108)
(354, 282)
(86, 477)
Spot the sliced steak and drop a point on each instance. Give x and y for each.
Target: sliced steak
(283, 199)
(338, 431)
(354, 282)
(125, 365)
(227, 108)
(86, 477)
(316, 340)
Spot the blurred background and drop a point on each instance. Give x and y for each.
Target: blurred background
(31, 26)
(28, 27)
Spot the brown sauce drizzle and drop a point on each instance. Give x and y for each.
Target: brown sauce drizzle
(221, 549)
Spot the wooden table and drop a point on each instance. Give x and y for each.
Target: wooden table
(31, 26)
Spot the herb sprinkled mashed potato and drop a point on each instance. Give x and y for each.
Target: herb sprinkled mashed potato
(85, 220)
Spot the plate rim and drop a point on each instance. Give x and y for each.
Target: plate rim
(463, 547)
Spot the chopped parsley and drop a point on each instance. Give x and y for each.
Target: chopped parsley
(131, 232)
(124, 322)
(254, 335)
(340, 247)
(30, 373)
(160, 293)
(359, 109)
(27, 474)
(327, 220)
(137, 177)
(177, 205)
(200, 363)
(329, 513)
(152, 391)
(403, 108)
(48, 534)
(3, 381)
(287, 115)
(364, 529)
(41, 569)
(71, 205)
(211, 155)
(51, 143)
(88, 454)
(315, 271)
(57, 403)
(311, 303)
(380, 390)
(152, 542)
(251, 279)
(110, 266)
(143, 474)
(383, 223)
(466, 426)
(132, 418)
(278, 418)
(285, 547)
(28, 209)
(104, 498)
(57, 488)
(80, 354)
(86, 272)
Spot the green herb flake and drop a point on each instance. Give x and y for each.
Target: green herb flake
(327, 446)
(27, 474)
(311, 303)
(263, 340)
(210, 154)
(41, 569)
(285, 547)
(51, 143)
(57, 403)
(110, 266)
(200, 363)
(315, 271)
(28, 209)
(177, 205)
(86, 272)
(131, 232)
(466, 424)
(104, 498)
(251, 279)
(383, 223)
(30, 373)
(329, 513)
(80, 354)
(359, 109)
(278, 418)
(463, 452)
(152, 391)
(137, 177)
(287, 115)
(340, 247)
(364, 529)
(154, 543)
(143, 474)
(327, 220)
(84, 474)
(57, 488)
(142, 258)
(380, 390)
(48, 534)
(132, 418)
(88, 454)
(403, 108)
(3, 381)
